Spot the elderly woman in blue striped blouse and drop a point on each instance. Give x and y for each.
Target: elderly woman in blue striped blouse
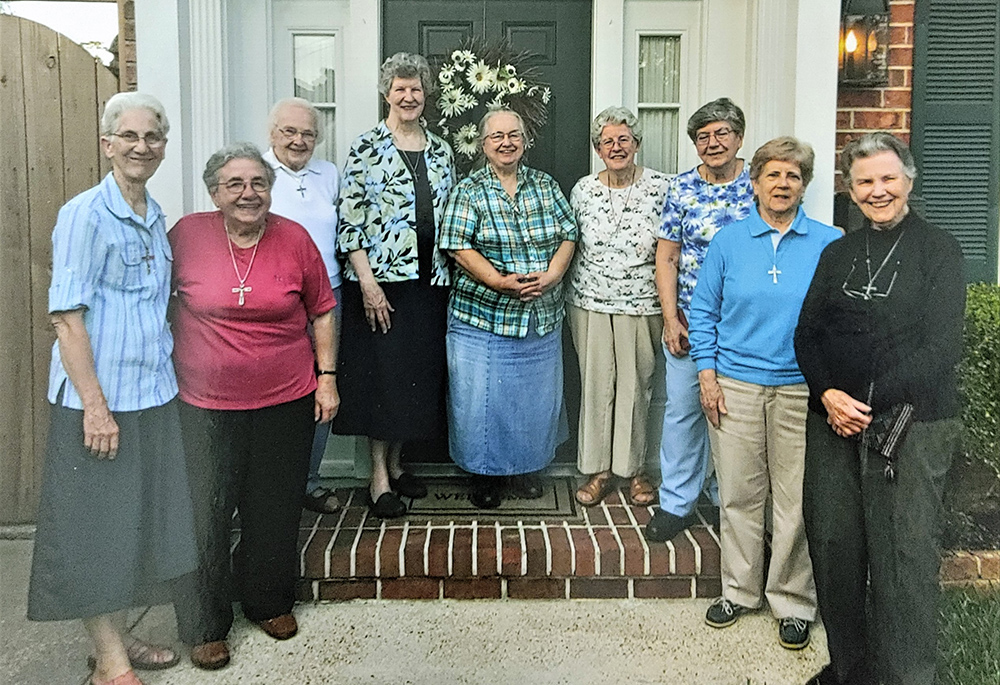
(512, 233)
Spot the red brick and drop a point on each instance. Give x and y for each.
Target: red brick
(598, 588)
(584, 552)
(619, 516)
(708, 587)
(900, 35)
(411, 588)
(897, 78)
(304, 591)
(461, 553)
(364, 559)
(534, 543)
(352, 518)
(536, 588)
(711, 556)
(596, 516)
(472, 588)
(842, 139)
(437, 553)
(562, 557)
(901, 13)
(959, 566)
(634, 553)
(659, 559)
(611, 563)
(315, 555)
(662, 588)
(878, 120)
(989, 565)
(901, 57)
(389, 553)
(340, 554)
(510, 548)
(684, 553)
(615, 498)
(343, 590)
(843, 119)
(862, 97)
(413, 553)
(898, 99)
(486, 551)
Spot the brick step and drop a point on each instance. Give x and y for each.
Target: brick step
(598, 552)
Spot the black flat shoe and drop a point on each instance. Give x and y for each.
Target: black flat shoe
(408, 485)
(485, 492)
(388, 506)
(526, 486)
(664, 526)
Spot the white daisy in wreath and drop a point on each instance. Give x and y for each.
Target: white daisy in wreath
(453, 101)
(463, 57)
(516, 85)
(446, 75)
(467, 140)
(546, 95)
(496, 103)
(481, 77)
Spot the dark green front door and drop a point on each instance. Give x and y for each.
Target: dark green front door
(558, 32)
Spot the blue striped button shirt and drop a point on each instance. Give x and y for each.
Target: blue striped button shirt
(115, 265)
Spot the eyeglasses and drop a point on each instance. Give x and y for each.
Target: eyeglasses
(236, 186)
(720, 135)
(514, 136)
(622, 141)
(291, 133)
(151, 139)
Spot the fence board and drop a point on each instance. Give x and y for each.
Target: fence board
(107, 85)
(78, 90)
(16, 415)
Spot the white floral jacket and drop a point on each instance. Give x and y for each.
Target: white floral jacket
(378, 209)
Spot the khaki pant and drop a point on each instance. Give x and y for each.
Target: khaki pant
(617, 356)
(759, 451)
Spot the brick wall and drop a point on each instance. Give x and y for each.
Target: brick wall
(127, 79)
(860, 110)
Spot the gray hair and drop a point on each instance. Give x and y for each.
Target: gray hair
(869, 145)
(503, 110)
(405, 65)
(301, 103)
(120, 103)
(228, 154)
(722, 109)
(784, 149)
(613, 116)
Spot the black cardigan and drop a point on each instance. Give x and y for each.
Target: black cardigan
(908, 343)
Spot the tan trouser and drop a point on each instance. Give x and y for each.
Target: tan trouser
(759, 450)
(617, 355)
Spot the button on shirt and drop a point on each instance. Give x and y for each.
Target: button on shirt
(517, 235)
(309, 197)
(115, 265)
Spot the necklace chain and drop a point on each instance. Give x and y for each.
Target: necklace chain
(413, 168)
(868, 263)
(243, 288)
(611, 205)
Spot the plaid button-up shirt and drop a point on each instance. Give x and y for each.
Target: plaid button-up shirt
(517, 235)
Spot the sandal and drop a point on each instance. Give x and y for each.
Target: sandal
(143, 657)
(127, 678)
(322, 501)
(641, 492)
(597, 488)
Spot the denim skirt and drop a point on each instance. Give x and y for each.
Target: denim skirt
(505, 399)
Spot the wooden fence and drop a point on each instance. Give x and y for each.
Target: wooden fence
(51, 94)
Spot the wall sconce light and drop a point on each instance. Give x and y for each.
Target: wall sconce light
(864, 43)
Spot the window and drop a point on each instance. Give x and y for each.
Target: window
(659, 100)
(314, 58)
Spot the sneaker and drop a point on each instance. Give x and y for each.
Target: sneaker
(723, 613)
(793, 633)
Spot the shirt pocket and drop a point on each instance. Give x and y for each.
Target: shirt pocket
(127, 268)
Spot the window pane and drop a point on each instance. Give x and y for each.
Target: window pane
(659, 68)
(314, 62)
(327, 148)
(659, 139)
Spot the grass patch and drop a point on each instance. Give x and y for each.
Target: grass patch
(970, 638)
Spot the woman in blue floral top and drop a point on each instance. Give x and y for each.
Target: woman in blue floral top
(701, 201)
(392, 359)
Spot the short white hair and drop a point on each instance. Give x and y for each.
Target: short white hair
(302, 103)
(120, 103)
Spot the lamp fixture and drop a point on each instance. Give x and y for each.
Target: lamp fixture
(864, 43)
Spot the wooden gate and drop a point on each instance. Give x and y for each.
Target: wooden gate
(51, 94)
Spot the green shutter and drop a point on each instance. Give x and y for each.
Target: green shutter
(956, 124)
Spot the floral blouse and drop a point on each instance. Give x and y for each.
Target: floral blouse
(694, 212)
(614, 266)
(378, 207)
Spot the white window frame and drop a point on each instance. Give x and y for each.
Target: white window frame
(662, 106)
(338, 71)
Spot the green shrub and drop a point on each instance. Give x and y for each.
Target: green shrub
(979, 375)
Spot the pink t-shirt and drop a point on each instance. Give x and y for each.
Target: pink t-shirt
(256, 355)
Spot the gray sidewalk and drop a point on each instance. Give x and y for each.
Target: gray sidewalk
(485, 642)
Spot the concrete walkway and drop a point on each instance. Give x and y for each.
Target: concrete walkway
(438, 642)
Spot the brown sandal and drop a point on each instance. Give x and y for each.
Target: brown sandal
(597, 488)
(144, 656)
(641, 492)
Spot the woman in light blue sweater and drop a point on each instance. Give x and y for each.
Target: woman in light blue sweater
(743, 317)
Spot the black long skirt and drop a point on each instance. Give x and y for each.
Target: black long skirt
(393, 385)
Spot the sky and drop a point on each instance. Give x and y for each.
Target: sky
(81, 22)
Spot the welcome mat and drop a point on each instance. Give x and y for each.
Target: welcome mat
(449, 496)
